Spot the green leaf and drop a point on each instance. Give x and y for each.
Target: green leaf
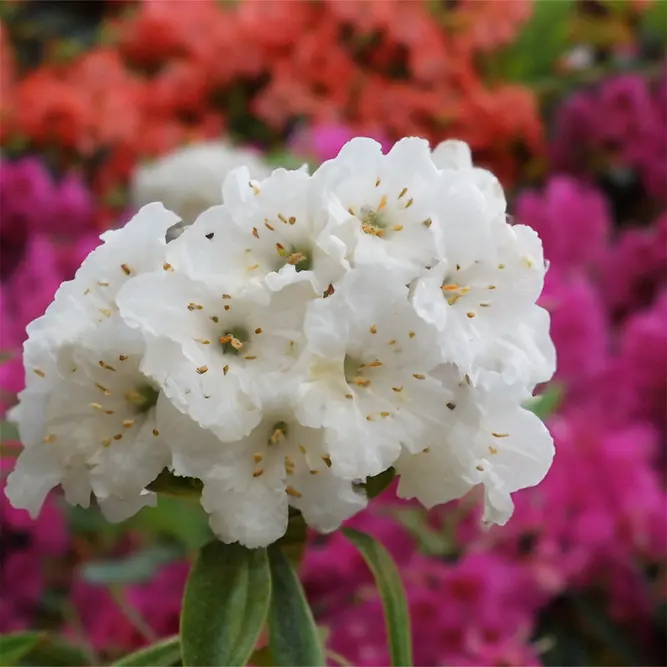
(539, 44)
(8, 431)
(177, 518)
(293, 636)
(137, 567)
(546, 403)
(391, 592)
(162, 654)
(293, 542)
(225, 605)
(54, 652)
(173, 485)
(13, 647)
(376, 485)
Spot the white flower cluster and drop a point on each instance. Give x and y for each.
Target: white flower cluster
(308, 333)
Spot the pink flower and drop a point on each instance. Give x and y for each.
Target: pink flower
(572, 220)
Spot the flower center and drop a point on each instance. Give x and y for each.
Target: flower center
(300, 258)
(373, 221)
(356, 372)
(232, 341)
(453, 291)
(142, 398)
(279, 433)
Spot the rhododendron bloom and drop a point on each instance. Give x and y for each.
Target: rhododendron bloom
(306, 334)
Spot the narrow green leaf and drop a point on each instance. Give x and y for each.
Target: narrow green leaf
(55, 652)
(135, 568)
(293, 637)
(8, 431)
(225, 605)
(391, 592)
(293, 542)
(376, 485)
(548, 402)
(161, 654)
(13, 647)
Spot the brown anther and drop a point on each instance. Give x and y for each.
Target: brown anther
(500, 435)
(412, 334)
(451, 406)
(86, 291)
(484, 304)
(302, 449)
(361, 382)
(255, 233)
(492, 450)
(118, 436)
(257, 458)
(351, 211)
(291, 491)
(103, 389)
(374, 364)
(428, 222)
(258, 472)
(122, 357)
(398, 390)
(255, 189)
(109, 412)
(327, 460)
(369, 418)
(167, 267)
(156, 432)
(383, 202)
(373, 329)
(252, 267)
(195, 306)
(391, 342)
(268, 226)
(96, 406)
(377, 183)
(49, 438)
(105, 311)
(403, 191)
(501, 266)
(225, 370)
(201, 370)
(258, 330)
(227, 307)
(106, 442)
(328, 291)
(349, 396)
(470, 314)
(127, 423)
(480, 468)
(226, 296)
(397, 228)
(451, 287)
(426, 450)
(384, 413)
(103, 283)
(282, 218)
(250, 357)
(411, 201)
(106, 366)
(126, 269)
(39, 373)
(314, 472)
(280, 248)
(491, 287)
(295, 258)
(418, 376)
(458, 267)
(291, 220)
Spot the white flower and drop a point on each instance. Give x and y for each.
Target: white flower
(263, 234)
(87, 420)
(212, 352)
(82, 379)
(392, 201)
(474, 302)
(189, 180)
(507, 449)
(366, 373)
(249, 484)
(455, 155)
(89, 300)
